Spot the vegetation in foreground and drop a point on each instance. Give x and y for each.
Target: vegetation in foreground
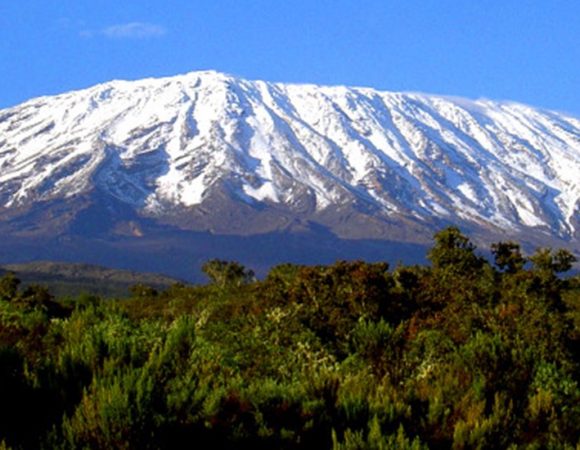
(460, 354)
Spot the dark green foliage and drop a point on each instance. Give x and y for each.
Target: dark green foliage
(227, 273)
(548, 261)
(462, 354)
(508, 256)
(454, 252)
(142, 291)
(8, 286)
(14, 392)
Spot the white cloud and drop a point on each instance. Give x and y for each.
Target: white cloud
(132, 30)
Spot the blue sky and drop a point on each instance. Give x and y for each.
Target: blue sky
(527, 51)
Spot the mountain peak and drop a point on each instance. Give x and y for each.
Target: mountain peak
(205, 143)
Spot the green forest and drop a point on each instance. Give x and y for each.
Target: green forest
(463, 353)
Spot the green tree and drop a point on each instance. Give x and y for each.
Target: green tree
(9, 286)
(37, 295)
(454, 252)
(227, 273)
(142, 291)
(508, 256)
(547, 261)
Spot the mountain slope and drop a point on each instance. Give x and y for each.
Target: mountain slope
(209, 152)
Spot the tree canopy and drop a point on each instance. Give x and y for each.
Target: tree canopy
(462, 353)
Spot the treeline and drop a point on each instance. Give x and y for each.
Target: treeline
(460, 354)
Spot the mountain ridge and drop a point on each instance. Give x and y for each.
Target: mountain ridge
(208, 152)
(70, 279)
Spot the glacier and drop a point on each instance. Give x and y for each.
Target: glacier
(164, 145)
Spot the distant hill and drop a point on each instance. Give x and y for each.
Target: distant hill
(72, 279)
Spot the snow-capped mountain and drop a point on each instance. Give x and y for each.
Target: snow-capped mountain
(207, 151)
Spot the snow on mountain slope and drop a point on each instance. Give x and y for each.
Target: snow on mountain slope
(161, 144)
